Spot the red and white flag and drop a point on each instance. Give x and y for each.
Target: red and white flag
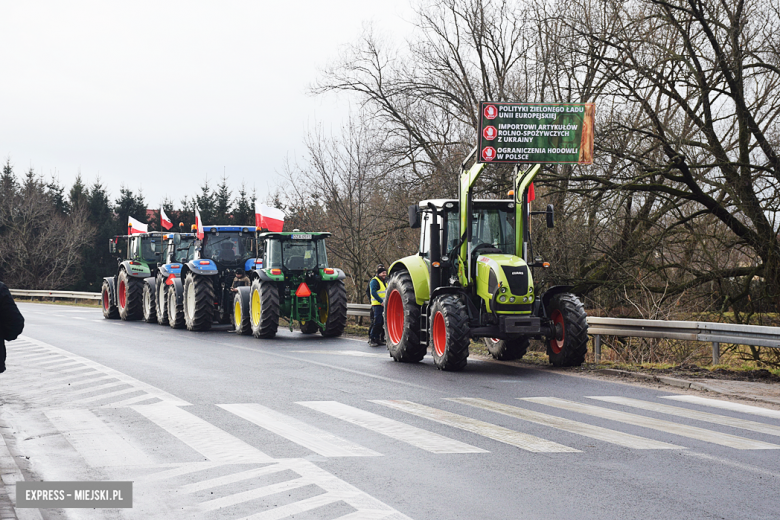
(166, 222)
(134, 226)
(198, 224)
(271, 219)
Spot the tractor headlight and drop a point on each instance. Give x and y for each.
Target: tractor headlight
(503, 289)
(511, 299)
(502, 298)
(444, 258)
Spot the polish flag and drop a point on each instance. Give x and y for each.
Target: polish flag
(271, 219)
(198, 224)
(166, 222)
(134, 226)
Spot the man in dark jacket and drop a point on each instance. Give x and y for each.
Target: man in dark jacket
(377, 291)
(11, 321)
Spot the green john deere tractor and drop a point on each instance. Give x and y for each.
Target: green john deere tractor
(472, 278)
(292, 281)
(123, 294)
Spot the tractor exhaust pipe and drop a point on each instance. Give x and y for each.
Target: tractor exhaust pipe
(435, 249)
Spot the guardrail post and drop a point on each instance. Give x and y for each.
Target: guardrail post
(715, 353)
(597, 348)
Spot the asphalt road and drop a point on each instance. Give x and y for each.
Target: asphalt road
(214, 425)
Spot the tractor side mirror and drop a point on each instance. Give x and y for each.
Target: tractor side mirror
(176, 239)
(550, 216)
(414, 216)
(111, 246)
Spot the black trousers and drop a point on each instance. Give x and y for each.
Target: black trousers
(377, 329)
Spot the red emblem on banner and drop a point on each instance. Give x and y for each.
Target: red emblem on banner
(488, 153)
(490, 132)
(491, 111)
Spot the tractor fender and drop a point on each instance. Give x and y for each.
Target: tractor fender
(253, 264)
(418, 270)
(178, 289)
(552, 291)
(152, 283)
(263, 275)
(135, 270)
(202, 266)
(341, 274)
(338, 274)
(170, 269)
(244, 293)
(111, 288)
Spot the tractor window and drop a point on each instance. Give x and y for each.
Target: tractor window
(495, 227)
(229, 248)
(273, 254)
(452, 232)
(299, 255)
(186, 251)
(322, 255)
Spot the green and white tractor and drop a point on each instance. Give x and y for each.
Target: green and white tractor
(292, 281)
(123, 294)
(472, 278)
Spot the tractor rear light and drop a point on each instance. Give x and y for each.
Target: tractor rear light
(204, 262)
(276, 271)
(135, 263)
(329, 270)
(258, 262)
(175, 266)
(303, 291)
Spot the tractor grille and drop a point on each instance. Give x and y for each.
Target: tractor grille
(518, 279)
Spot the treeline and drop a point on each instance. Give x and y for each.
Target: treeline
(53, 237)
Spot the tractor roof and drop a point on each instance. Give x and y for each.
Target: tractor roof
(183, 235)
(313, 235)
(439, 203)
(245, 229)
(150, 233)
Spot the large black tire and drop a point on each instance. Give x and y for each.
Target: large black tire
(569, 347)
(110, 310)
(449, 333)
(161, 302)
(198, 302)
(332, 304)
(507, 349)
(264, 309)
(175, 309)
(241, 323)
(129, 293)
(402, 320)
(149, 304)
(309, 327)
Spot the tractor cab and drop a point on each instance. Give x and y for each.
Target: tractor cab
(293, 251)
(178, 248)
(230, 247)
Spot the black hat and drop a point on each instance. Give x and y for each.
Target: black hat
(239, 271)
(380, 269)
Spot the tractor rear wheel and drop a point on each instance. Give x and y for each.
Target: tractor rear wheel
(402, 320)
(175, 309)
(129, 296)
(161, 303)
(309, 327)
(241, 323)
(198, 302)
(570, 342)
(332, 303)
(264, 309)
(450, 333)
(149, 304)
(507, 349)
(110, 310)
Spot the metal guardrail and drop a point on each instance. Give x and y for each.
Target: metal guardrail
(715, 333)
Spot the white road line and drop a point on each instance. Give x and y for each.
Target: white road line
(35, 357)
(319, 441)
(232, 478)
(683, 430)
(295, 508)
(213, 443)
(587, 430)
(98, 388)
(693, 414)
(95, 440)
(58, 363)
(47, 389)
(725, 405)
(252, 494)
(132, 400)
(101, 397)
(184, 469)
(417, 437)
(492, 431)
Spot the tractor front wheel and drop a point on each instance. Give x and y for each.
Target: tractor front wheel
(332, 302)
(149, 304)
(161, 303)
(507, 349)
(241, 323)
(569, 344)
(264, 309)
(402, 320)
(198, 302)
(129, 296)
(110, 310)
(450, 333)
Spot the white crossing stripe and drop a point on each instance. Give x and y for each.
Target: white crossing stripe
(417, 437)
(57, 363)
(101, 397)
(693, 414)
(253, 494)
(492, 431)
(319, 441)
(296, 508)
(231, 478)
(584, 429)
(133, 400)
(95, 440)
(725, 405)
(684, 430)
(213, 443)
(184, 469)
(76, 382)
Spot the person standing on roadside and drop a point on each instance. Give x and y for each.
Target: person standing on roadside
(11, 321)
(378, 289)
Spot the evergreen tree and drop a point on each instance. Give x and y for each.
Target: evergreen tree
(222, 203)
(244, 212)
(129, 205)
(8, 183)
(206, 203)
(78, 195)
(98, 262)
(56, 192)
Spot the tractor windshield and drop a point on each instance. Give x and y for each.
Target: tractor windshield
(185, 251)
(147, 248)
(229, 248)
(297, 255)
(494, 226)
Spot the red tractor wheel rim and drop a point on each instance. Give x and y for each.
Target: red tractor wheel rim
(122, 294)
(105, 299)
(557, 344)
(395, 317)
(439, 334)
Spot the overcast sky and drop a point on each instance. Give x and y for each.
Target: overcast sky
(159, 95)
